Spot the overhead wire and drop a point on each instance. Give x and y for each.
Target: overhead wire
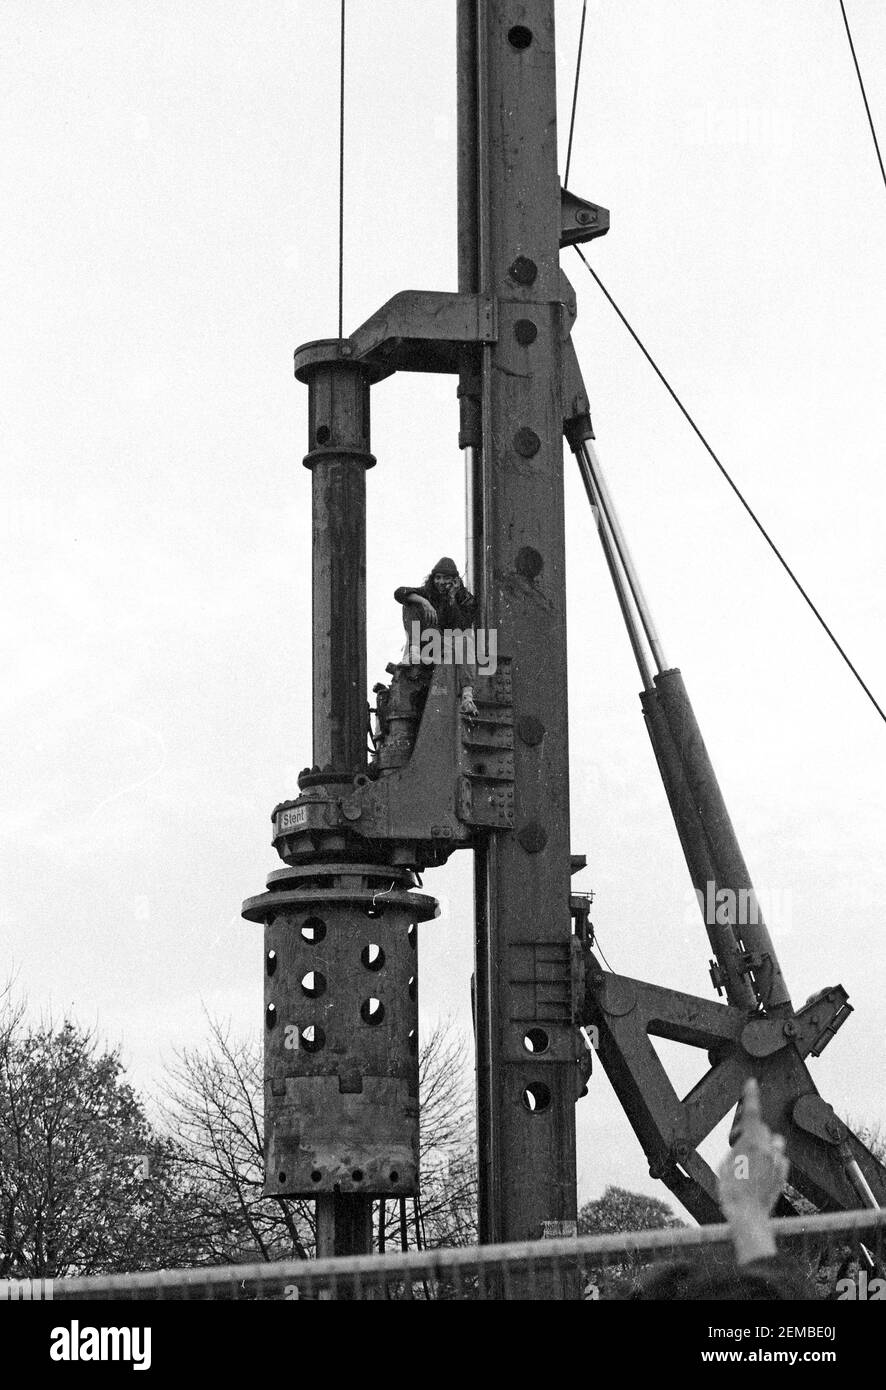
(735, 488)
(864, 95)
(581, 39)
(341, 176)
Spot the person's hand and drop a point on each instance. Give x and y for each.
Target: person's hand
(751, 1178)
(755, 1170)
(428, 611)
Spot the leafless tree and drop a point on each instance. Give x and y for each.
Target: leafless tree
(213, 1112)
(447, 1208)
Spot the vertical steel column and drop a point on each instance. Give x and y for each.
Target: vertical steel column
(338, 457)
(509, 246)
(344, 1225)
(472, 279)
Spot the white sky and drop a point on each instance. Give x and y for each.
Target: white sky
(169, 229)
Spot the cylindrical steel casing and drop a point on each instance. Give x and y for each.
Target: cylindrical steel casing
(341, 1030)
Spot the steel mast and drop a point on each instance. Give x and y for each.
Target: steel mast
(509, 227)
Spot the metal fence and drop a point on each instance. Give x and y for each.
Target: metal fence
(838, 1255)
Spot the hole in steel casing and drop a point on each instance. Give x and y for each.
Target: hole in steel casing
(312, 1038)
(372, 956)
(372, 1011)
(313, 930)
(313, 984)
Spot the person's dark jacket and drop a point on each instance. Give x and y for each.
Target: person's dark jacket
(453, 611)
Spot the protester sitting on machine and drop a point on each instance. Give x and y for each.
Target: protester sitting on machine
(441, 604)
(750, 1179)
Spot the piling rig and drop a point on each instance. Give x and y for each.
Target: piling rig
(341, 918)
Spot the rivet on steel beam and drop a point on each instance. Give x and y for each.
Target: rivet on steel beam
(529, 562)
(526, 442)
(532, 837)
(525, 332)
(530, 730)
(523, 271)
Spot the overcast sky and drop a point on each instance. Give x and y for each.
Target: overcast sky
(169, 235)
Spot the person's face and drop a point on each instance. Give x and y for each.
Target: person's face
(444, 583)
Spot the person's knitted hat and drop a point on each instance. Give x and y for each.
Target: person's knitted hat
(445, 566)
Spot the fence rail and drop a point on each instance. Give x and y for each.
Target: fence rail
(822, 1247)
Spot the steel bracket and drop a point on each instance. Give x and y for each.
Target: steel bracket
(580, 220)
(415, 331)
(547, 1004)
(810, 1029)
(458, 777)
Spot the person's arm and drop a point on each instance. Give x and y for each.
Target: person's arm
(467, 604)
(405, 594)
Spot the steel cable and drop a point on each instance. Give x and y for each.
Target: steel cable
(581, 37)
(864, 96)
(341, 177)
(735, 488)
